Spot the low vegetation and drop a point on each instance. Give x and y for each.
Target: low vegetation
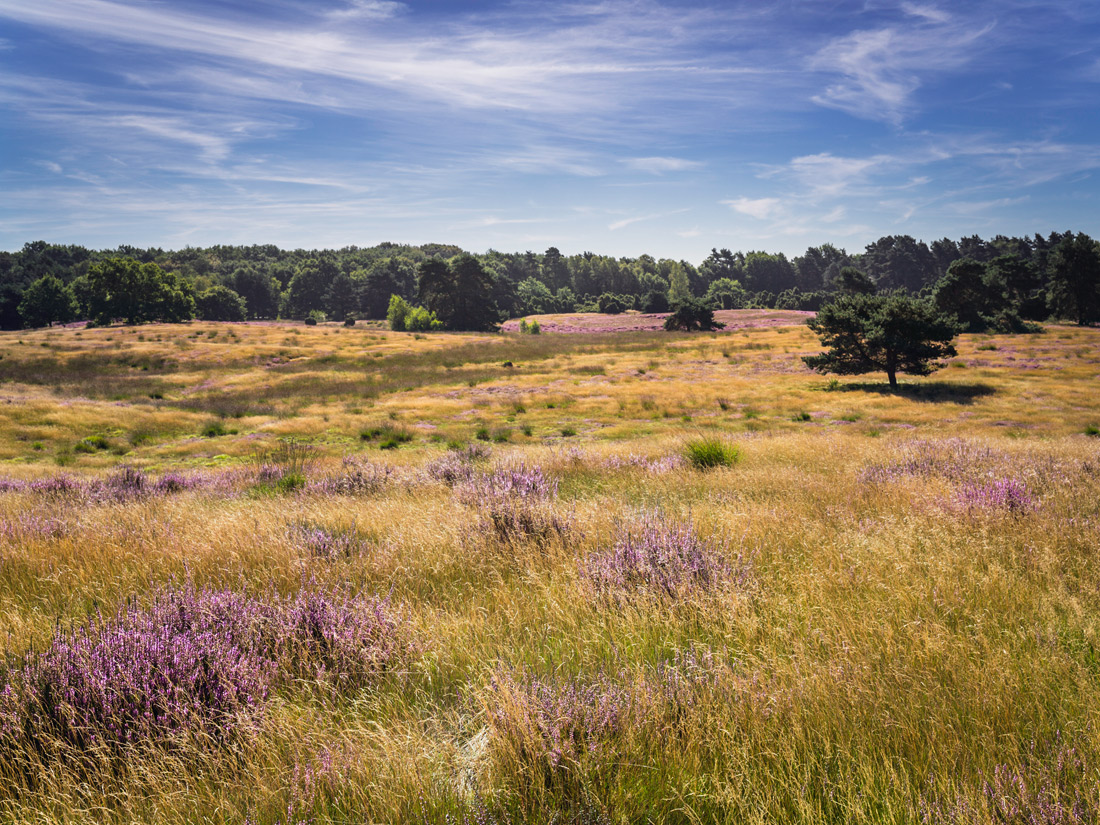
(270, 573)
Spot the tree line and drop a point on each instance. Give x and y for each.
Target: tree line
(1003, 284)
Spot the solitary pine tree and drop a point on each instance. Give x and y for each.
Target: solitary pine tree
(692, 315)
(888, 333)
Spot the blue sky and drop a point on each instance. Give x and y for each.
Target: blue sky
(620, 127)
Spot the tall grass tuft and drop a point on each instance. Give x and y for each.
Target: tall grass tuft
(709, 453)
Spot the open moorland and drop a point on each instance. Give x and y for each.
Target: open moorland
(275, 573)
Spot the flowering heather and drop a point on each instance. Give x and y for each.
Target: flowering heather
(192, 661)
(30, 526)
(325, 543)
(123, 484)
(1058, 788)
(359, 477)
(126, 483)
(953, 458)
(1005, 495)
(515, 482)
(346, 641)
(451, 469)
(656, 466)
(652, 558)
(513, 503)
(549, 727)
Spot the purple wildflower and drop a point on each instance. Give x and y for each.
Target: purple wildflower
(655, 559)
(1005, 495)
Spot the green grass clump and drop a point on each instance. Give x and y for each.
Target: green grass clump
(91, 444)
(1092, 429)
(214, 429)
(708, 453)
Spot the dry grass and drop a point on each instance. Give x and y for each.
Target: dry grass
(901, 646)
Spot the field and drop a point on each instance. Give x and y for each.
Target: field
(272, 573)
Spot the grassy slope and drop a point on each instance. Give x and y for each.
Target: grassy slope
(892, 646)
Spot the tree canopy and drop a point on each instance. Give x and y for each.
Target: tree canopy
(136, 293)
(888, 333)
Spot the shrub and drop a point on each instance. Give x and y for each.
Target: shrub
(389, 436)
(91, 443)
(359, 478)
(690, 315)
(214, 429)
(283, 469)
(708, 453)
(192, 661)
(652, 558)
(513, 504)
(546, 732)
(1000, 495)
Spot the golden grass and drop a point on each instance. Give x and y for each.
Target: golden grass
(892, 649)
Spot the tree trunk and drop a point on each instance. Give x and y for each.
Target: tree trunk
(893, 376)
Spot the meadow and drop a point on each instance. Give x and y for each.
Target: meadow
(272, 573)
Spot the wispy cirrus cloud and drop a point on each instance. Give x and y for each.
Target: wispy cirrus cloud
(880, 69)
(660, 165)
(761, 208)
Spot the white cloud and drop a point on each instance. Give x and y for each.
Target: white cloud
(761, 208)
(828, 176)
(213, 147)
(925, 12)
(880, 69)
(625, 222)
(659, 165)
(980, 207)
(368, 10)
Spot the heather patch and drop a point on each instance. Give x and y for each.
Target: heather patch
(954, 459)
(1054, 785)
(329, 543)
(557, 738)
(193, 662)
(657, 465)
(358, 477)
(514, 504)
(655, 559)
(24, 527)
(459, 465)
(999, 495)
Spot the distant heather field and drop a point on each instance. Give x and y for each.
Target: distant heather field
(651, 322)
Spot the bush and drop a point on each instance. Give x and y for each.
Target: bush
(91, 444)
(214, 429)
(404, 317)
(655, 301)
(192, 661)
(611, 304)
(690, 315)
(708, 453)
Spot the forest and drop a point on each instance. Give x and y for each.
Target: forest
(1000, 284)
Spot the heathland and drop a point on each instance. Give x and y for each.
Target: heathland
(279, 573)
